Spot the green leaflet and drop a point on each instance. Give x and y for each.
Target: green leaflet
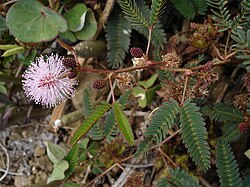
(222, 112)
(189, 8)
(133, 13)
(223, 16)
(72, 158)
(95, 132)
(118, 37)
(157, 9)
(194, 134)
(227, 167)
(180, 178)
(97, 113)
(231, 133)
(123, 123)
(163, 119)
(110, 128)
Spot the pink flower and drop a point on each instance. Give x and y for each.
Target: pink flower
(46, 81)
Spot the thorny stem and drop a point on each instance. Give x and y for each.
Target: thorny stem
(150, 28)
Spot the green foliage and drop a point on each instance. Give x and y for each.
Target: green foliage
(156, 10)
(194, 134)
(179, 178)
(231, 133)
(82, 23)
(133, 14)
(118, 37)
(165, 75)
(223, 16)
(163, 119)
(97, 113)
(72, 158)
(56, 155)
(95, 132)
(110, 128)
(223, 112)
(58, 171)
(145, 91)
(123, 123)
(226, 164)
(189, 8)
(242, 39)
(36, 25)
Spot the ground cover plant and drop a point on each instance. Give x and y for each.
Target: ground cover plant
(128, 92)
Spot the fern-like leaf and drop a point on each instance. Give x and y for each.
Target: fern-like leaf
(232, 133)
(133, 13)
(227, 166)
(72, 158)
(110, 128)
(163, 119)
(118, 32)
(97, 113)
(179, 178)
(158, 38)
(189, 8)
(223, 112)
(95, 132)
(221, 13)
(157, 9)
(123, 123)
(194, 134)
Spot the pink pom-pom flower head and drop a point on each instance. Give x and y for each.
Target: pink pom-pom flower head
(46, 81)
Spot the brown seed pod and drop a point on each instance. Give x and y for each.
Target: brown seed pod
(99, 84)
(69, 62)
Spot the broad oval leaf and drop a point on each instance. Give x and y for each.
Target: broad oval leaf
(55, 152)
(30, 21)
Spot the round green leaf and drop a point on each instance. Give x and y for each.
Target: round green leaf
(30, 21)
(76, 17)
(90, 27)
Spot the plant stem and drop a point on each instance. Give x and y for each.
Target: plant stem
(150, 28)
(227, 42)
(184, 90)
(111, 89)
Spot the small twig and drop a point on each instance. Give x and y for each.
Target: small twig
(110, 93)
(184, 90)
(106, 171)
(227, 42)
(10, 2)
(11, 173)
(86, 174)
(7, 163)
(151, 113)
(111, 89)
(167, 157)
(167, 139)
(139, 165)
(204, 182)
